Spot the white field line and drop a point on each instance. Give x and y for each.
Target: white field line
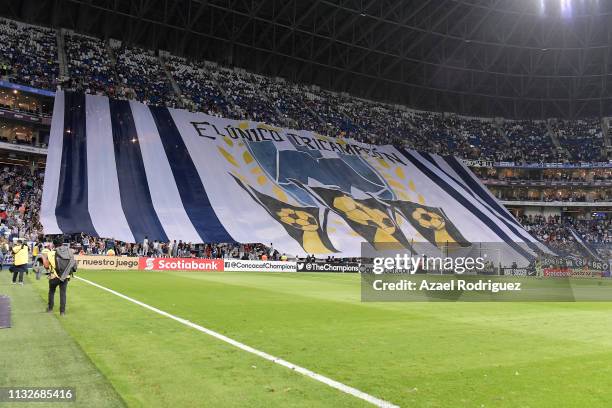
(304, 371)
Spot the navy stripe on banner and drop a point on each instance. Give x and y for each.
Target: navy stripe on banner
(466, 203)
(193, 194)
(133, 187)
(71, 210)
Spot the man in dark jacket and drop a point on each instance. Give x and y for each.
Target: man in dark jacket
(61, 265)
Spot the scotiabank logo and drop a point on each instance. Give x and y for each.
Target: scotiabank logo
(180, 264)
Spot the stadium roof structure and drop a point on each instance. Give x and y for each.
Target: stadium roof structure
(520, 58)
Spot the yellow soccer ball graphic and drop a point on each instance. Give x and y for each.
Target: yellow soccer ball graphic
(298, 219)
(363, 214)
(428, 219)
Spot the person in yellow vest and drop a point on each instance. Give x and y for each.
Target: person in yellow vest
(20, 261)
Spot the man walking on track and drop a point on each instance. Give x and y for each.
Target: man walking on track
(61, 265)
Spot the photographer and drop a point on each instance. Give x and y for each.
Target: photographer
(60, 263)
(38, 266)
(20, 261)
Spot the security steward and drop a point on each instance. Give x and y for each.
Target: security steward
(20, 261)
(56, 277)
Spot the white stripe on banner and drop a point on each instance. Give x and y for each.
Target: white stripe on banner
(470, 194)
(164, 193)
(103, 197)
(52, 170)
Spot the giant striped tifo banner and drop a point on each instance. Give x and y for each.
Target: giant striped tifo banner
(124, 170)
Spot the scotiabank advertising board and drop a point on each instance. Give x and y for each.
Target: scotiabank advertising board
(180, 264)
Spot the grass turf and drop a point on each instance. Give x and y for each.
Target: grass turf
(412, 354)
(37, 352)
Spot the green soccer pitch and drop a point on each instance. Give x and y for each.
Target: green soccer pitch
(117, 353)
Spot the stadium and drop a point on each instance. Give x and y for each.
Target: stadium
(233, 203)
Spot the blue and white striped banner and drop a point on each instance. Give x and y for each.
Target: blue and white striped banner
(124, 170)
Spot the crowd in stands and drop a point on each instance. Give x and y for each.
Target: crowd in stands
(28, 54)
(87, 245)
(556, 232)
(388, 122)
(530, 142)
(583, 138)
(21, 193)
(199, 89)
(295, 109)
(593, 231)
(244, 91)
(89, 65)
(546, 229)
(141, 71)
